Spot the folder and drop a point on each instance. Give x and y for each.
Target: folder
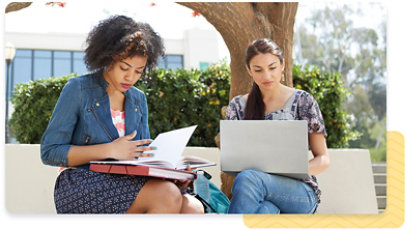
(142, 170)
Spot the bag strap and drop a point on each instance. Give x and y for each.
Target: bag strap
(205, 203)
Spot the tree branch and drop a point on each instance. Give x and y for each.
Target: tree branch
(239, 23)
(14, 6)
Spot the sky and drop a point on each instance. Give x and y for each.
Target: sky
(168, 18)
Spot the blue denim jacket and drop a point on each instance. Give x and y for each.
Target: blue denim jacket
(82, 117)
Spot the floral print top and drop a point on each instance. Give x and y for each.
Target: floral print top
(118, 118)
(300, 106)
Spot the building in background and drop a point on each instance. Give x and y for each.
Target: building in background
(45, 55)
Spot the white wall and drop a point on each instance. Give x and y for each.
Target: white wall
(200, 46)
(196, 46)
(173, 46)
(53, 41)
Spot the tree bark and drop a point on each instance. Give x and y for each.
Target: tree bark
(239, 23)
(14, 6)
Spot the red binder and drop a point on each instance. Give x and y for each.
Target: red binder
(141, 170)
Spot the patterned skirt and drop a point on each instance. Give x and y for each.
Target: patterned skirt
(84, 191)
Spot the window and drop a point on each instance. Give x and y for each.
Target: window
(79, 66)
(171, 62)
(204, 65)
(62, 63)
(36, 64)
(21, 67)
(42, 64)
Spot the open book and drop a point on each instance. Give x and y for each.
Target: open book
(170, 146)
(184, 163)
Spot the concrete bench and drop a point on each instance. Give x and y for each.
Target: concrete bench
(347, 187)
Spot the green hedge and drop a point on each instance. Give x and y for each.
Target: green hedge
(187, 97)
(175, 99)
(329, 91)
(33, 104)
(181, 98)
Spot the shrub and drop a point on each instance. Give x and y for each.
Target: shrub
(179, 98)
(329, 91)
(186, 97)
(175, 99)
(33, 103)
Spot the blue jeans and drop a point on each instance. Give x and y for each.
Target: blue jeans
(258, 192)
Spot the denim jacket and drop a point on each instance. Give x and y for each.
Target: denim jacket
(82, 117)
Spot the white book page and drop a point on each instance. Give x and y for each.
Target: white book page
(170, 146)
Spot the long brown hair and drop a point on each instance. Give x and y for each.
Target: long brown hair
(255, 108)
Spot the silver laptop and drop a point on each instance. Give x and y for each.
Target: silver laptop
(273, 146)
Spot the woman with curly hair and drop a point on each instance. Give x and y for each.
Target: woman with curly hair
(101, 115)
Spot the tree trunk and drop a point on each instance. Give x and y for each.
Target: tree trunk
(239, 23)
(14, 6)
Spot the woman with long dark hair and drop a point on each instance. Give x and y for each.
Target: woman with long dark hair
(255, 191)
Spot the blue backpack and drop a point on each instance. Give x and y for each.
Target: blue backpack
(212, 198)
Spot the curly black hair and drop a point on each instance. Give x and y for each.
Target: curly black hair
(119, 37)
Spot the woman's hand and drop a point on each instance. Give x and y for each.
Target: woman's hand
(124, 148)
(183, 185)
